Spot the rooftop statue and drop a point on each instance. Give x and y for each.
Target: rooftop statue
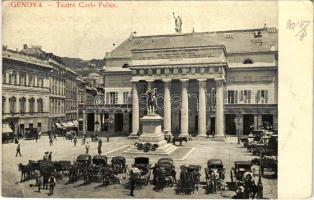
(178, 23)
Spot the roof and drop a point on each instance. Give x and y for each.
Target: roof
(116, 69)
(242, 162)
(235, 41)
(214, 162)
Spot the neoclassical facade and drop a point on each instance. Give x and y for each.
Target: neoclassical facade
(220, 82)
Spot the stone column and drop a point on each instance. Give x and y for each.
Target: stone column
(184, 107)
(219, 121)
(202, 108)
(96, 119)
(167, 105)
(135, 111)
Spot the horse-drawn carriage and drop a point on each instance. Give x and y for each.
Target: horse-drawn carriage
(242, 177)
(99, 163)
(31, 134)
(270, 163)
(189, 179)
(164, 173)
(141, 170)
(119, 168)
(215, 175)
(83, 168)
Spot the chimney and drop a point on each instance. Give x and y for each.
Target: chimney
(24, 46)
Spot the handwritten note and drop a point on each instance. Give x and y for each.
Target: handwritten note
(299, 27)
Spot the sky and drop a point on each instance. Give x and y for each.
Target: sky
(90, 32)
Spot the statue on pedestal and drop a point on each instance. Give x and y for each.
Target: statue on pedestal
(151, 101)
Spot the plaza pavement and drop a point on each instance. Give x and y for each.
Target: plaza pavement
(228, 152)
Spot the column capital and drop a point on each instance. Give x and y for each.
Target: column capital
(202, 79)
(184, 80)
(166, 80)
(150, 80)
(220, 79)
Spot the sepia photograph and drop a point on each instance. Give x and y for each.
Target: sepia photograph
(140, 99)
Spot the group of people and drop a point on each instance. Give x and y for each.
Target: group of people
(51, 181)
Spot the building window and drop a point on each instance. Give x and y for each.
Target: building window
(125, 97)
(3, 104)
(232, 96)
(22, 78)
(4, 76)
(31, 105)
(30, 80)
(245, 96)
(40, 82)
(248, 61)
(40, 105)
(113, 97)
(262, 96)
(12, 102)
(12, 77)
(22, 105)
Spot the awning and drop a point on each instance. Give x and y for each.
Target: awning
(6, 128)
(75, 122)
(65, 125)
(70, 124)
(58, 125)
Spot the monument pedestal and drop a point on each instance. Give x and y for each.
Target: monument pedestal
(153, 135)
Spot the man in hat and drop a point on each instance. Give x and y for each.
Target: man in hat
(46, 156)
(18, 150)
(52, 183)
(75, 140)
(87, 147)
(132, 183)
(99, 146)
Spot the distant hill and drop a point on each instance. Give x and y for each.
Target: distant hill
(78, 64)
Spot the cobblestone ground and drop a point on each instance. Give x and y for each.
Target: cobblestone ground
(62, 149)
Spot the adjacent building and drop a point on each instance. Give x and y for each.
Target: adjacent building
(25, 91)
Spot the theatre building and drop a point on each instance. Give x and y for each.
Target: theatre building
(205, 82)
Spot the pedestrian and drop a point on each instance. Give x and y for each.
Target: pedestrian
(54, 136)
(52, 184)
(18, 150)
(50, 156)
(75, 141)
(38, 182)
(36, 137)
(46, 156)
(87, 147)
(132, 183)
(50, 141)
(45, 181)
(99, 146)
(173, 174)
(83, 140)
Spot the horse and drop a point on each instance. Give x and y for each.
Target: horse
(151, 100)
(26, 171)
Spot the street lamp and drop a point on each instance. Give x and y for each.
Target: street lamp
(238, 122)
(257, 99)
(96, 128)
